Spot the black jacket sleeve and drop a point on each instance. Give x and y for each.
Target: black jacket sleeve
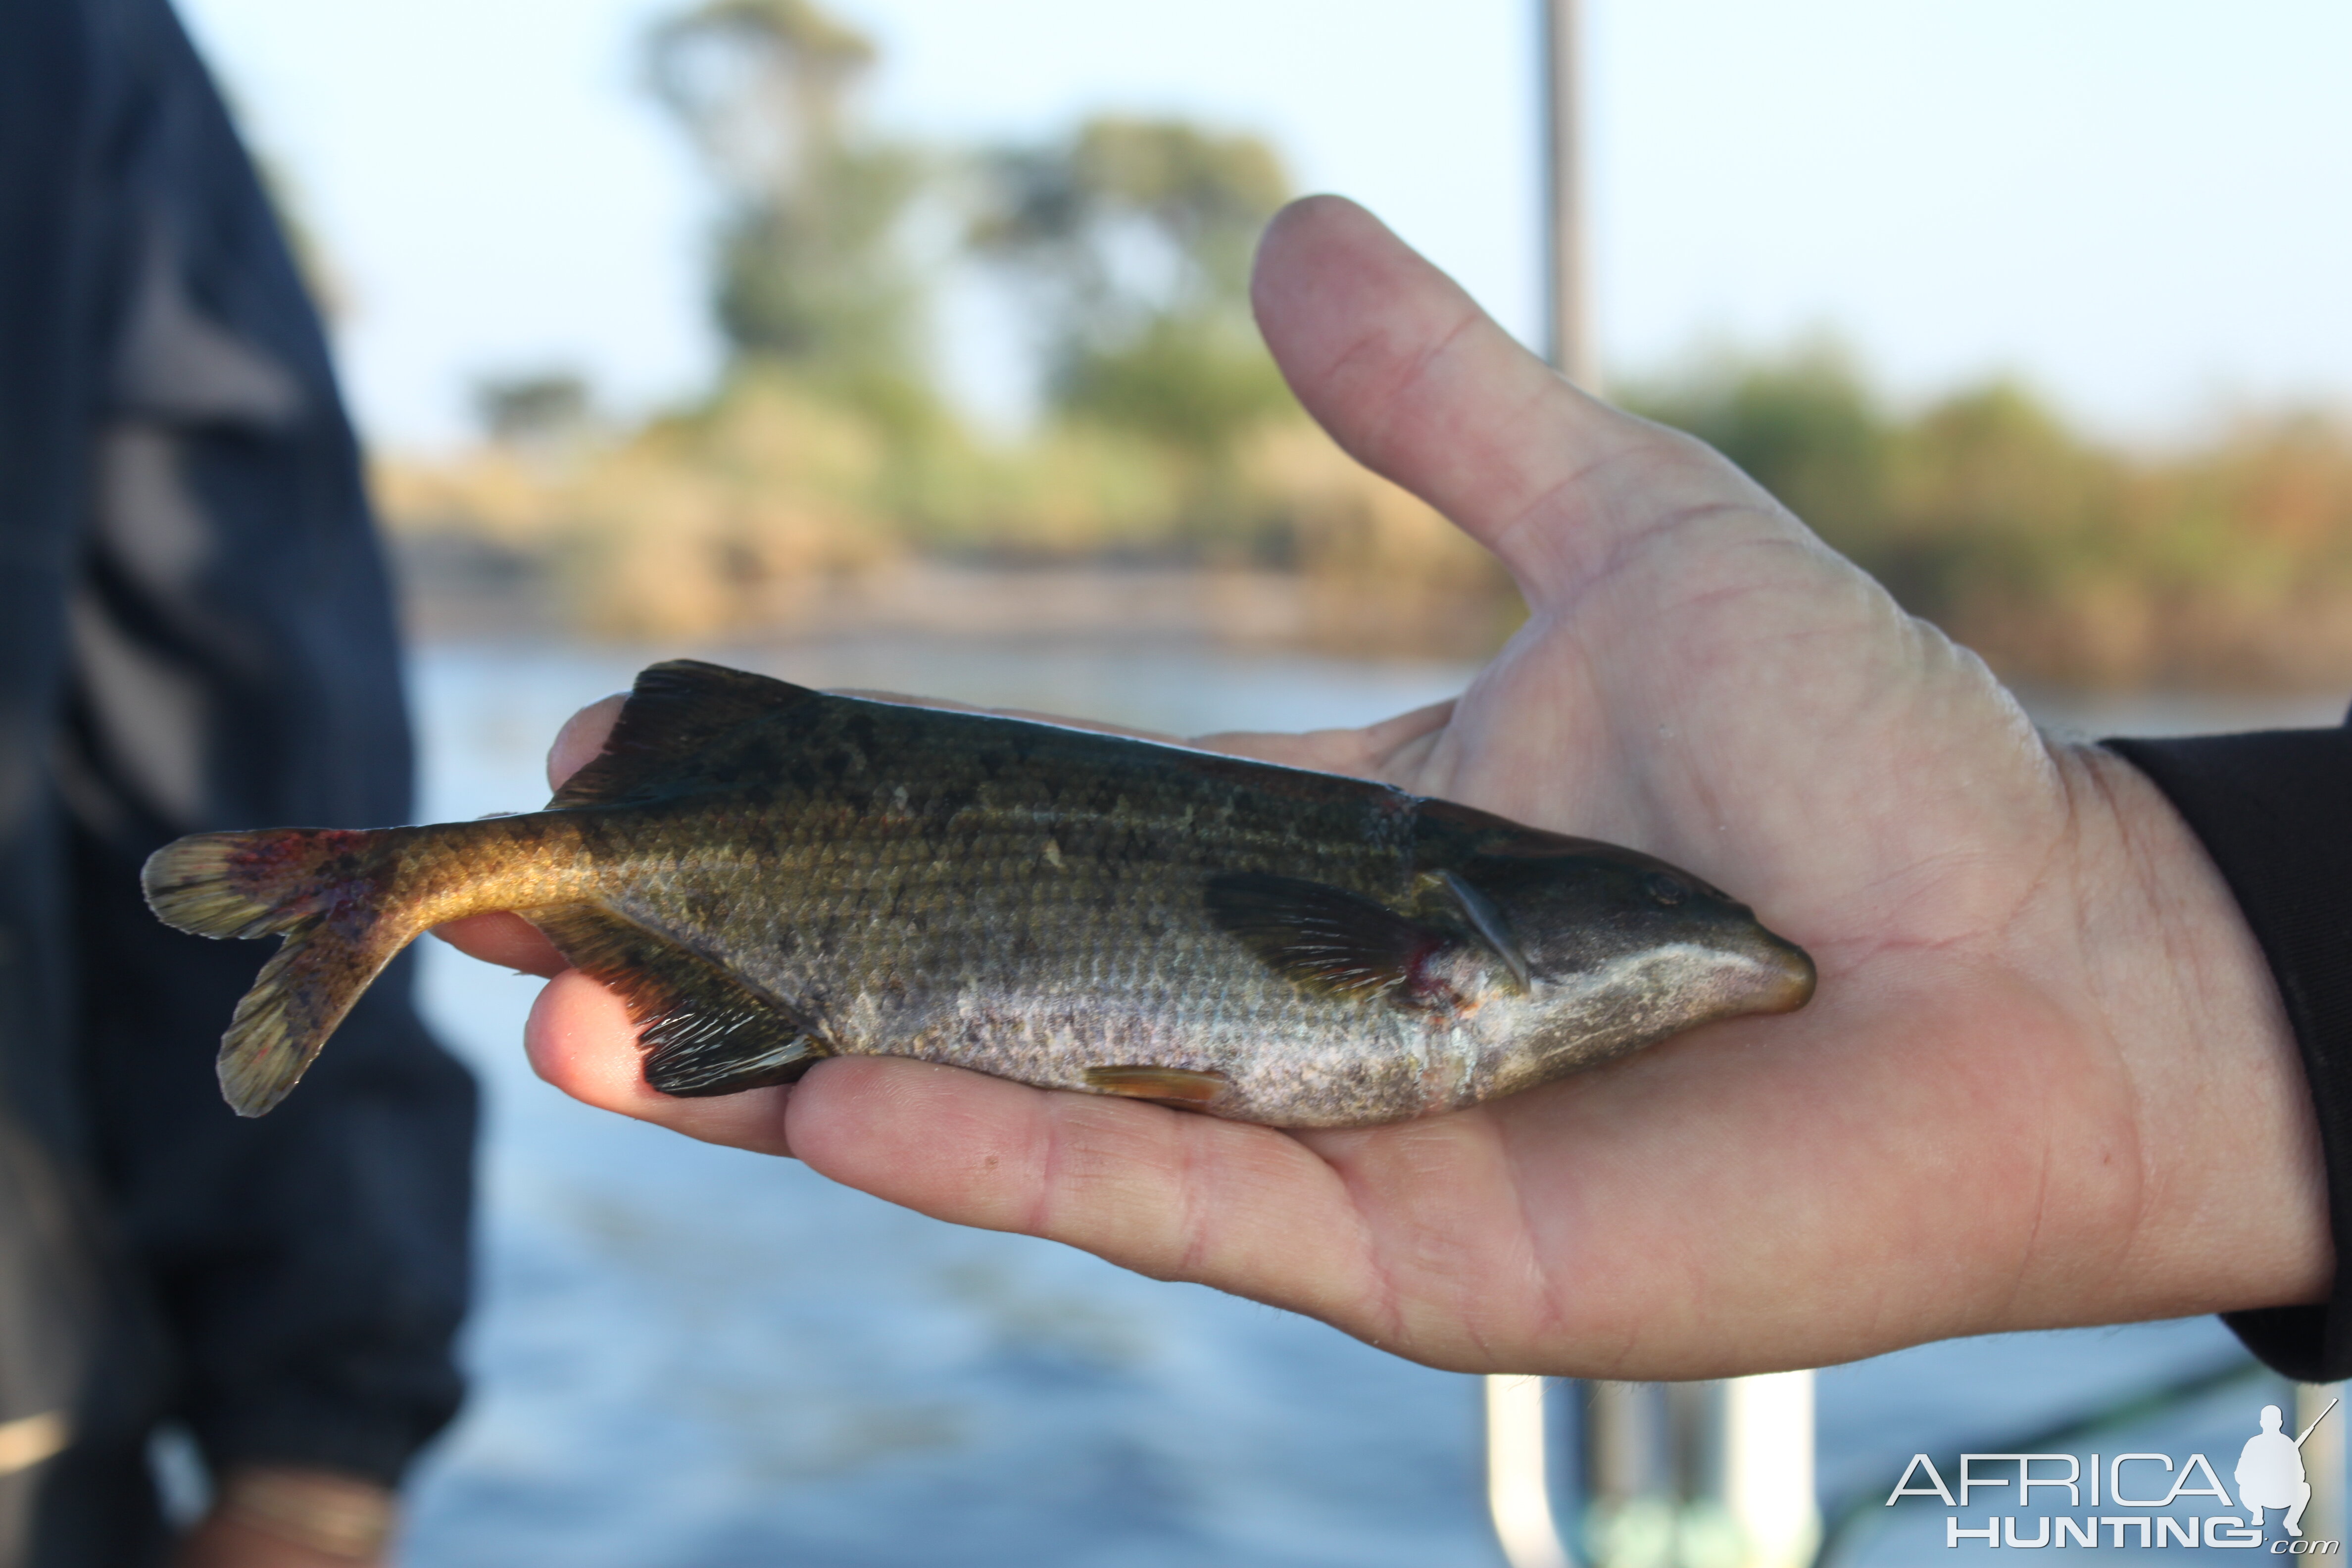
(2272, 809)
(224, 655)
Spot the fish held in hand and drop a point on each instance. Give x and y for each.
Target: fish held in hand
(770, 877)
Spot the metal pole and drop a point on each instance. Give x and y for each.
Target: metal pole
(1568, 333)
(1518, 1474)
(1696, 1472)
(2323, 1459)
(1768, 1484)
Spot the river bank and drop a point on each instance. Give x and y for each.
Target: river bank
(461, 593)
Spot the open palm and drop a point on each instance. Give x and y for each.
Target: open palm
(2044, 1080)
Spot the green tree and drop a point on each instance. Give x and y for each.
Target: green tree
(1805, 425)
(810, 273)
(532, 405)
(1986, 497)
(1134, 236)
(2014, 501)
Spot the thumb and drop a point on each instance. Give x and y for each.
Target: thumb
(581, 739)
(1421, 385)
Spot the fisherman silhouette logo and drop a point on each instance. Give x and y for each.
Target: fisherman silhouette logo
(2270, 1473)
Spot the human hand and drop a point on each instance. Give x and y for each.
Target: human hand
(2045, 1079)
(264, 1512)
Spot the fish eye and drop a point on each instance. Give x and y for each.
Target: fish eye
(1665, 890)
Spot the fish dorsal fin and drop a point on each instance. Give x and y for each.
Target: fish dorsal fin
(1326, 939)
(676, 710)
(704, 1030)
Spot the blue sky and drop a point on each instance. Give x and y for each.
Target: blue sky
(2144, 208)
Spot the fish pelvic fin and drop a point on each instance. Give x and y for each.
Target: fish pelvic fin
(704, 1030)
(677, 712)
(326, 891)
(1187, 1089)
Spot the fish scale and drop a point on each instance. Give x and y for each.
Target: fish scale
(770, 877)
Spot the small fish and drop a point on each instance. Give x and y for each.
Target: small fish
(770, 877)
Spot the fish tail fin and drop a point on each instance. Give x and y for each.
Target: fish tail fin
(253, 884)
(330, 892)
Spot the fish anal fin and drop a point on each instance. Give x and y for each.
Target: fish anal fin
(676, 711)
(1325, 939)
(704, 1029)
(1183, 1086)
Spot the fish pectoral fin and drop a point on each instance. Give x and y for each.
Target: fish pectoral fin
(1487, 920)
(675, 713)
(1181, 1087)
(1326, 939)
(704, 1030)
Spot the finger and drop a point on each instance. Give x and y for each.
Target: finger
(1371, 751)
(1165, 1192)
(1324, 751)
(580, 1039)
(503, 939)
(581, 739)
(1410, 375)
(507, 939)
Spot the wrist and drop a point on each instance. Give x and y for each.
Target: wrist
(2217, 1193)
(324, 1514)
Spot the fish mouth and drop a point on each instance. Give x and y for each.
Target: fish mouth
(1785, 977)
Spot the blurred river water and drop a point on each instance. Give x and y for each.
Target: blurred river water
(690, 1357)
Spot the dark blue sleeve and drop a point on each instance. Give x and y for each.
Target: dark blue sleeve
(207, 642)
